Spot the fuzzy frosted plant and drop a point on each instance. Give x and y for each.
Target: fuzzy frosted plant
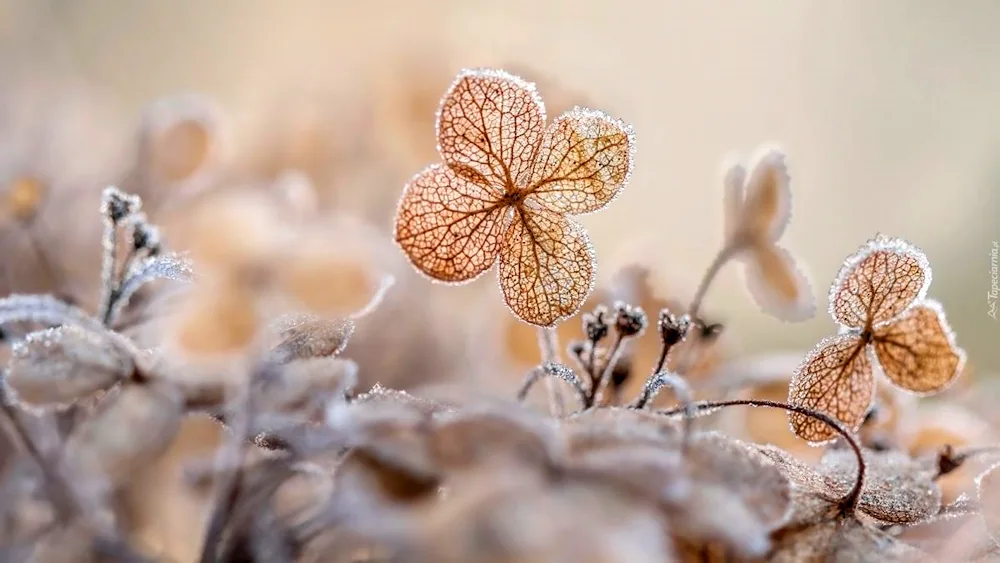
(878, 299)
(505, 189)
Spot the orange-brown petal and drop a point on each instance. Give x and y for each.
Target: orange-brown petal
(835, 378)
(917, 351)
(879, 282)
(585, 160)
(489, 127)
(547, 266)
(448, 226)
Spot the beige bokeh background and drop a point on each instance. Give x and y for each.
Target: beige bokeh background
(889, 110)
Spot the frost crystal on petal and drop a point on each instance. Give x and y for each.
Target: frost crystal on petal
(879, 282)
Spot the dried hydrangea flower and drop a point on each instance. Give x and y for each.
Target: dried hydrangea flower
(504, 190)
(879, 301)
(757, 210)
(989, 500)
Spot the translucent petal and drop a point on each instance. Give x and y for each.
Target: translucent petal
(879, 282)
(767, 205)
(584, 162)
(917, 351)
(835, 378)
(489, 126)
(989, 500)
(778, 287)
(733, 184)
(448, 226)
(547, 267)
(179, 137)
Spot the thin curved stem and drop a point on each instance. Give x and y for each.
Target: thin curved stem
(850, 500)
(549, 372)
(681, 389)
(548, 344)
(713, 270)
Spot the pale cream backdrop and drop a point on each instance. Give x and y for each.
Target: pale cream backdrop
(889, 109)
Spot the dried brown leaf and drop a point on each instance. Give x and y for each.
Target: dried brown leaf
(878, 283)
(917, 351)
(835, 378)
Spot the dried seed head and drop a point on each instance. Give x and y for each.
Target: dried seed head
(595, 324)
(116, 205)
(673, 329)
(145, 235)
(630, 320)
(59, 366)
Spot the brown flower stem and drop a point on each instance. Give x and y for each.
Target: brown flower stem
(597, 394)
(549, 346)
(718, 262)
(850, 500)
(109, 274)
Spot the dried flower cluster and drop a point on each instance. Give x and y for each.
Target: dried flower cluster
(228, 412)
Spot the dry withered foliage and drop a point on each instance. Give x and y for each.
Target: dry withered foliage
(230, 412)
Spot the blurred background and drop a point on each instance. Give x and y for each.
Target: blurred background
(888, 110)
